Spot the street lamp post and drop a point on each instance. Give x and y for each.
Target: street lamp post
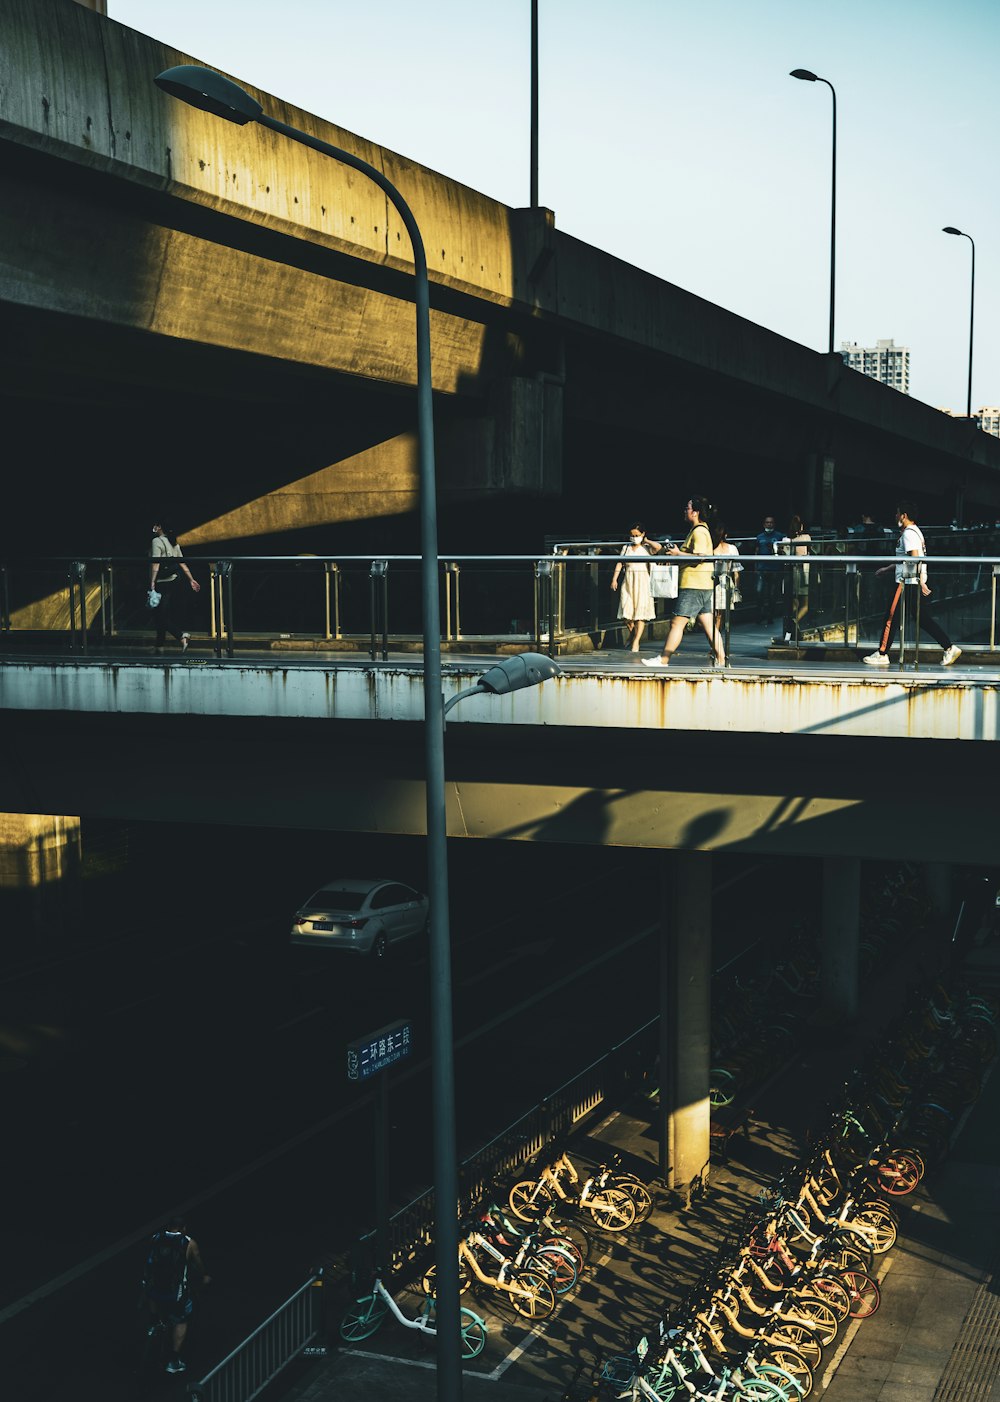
(960, 495)
(808, 77)
(211, 92)
(972, 309)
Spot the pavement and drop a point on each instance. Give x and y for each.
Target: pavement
(936, 1337)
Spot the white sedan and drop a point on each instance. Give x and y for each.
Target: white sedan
(363, 916)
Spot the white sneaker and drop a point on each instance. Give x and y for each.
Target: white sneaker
(876, 659)
(185, 639)
(656, 661)
(952, 655)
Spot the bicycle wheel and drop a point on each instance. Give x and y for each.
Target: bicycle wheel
(363, 1318)
(846, 1250)
(535, 1298)
(789, 1360)
(567, 1244)
(557, 1265)
(820, 1317)
(896, 1174)
(832, 1290)
(575, 1234)
(528, 1199)
(722, 1087)
(759, 1389)
(430, 1279)
(638, 1192)
(612, 1209)
(883, 1228)
(864, 1292)
(473, 1334)
(792, 1388)
(801, 1339)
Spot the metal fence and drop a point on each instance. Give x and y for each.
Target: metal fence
(557, 603)
(258, 1360)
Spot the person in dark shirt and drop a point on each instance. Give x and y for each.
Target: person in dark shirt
(166, 1286)
(768, 572)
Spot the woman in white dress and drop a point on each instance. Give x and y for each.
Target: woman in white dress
(635, 601)
(727, 582)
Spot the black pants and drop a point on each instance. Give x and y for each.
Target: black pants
(927, 620)
(167, 614)
(768, 592)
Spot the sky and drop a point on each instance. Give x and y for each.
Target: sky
(671, 136)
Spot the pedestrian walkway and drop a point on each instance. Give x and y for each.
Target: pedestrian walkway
(935, 1337)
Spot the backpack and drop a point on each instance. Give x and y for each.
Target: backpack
(165, 1276)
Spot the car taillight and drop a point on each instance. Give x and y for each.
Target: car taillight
(355, 924)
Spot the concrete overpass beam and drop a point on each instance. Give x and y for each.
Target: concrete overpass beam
(685, 1018)
(840, 937)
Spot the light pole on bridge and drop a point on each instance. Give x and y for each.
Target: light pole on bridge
(809, 77)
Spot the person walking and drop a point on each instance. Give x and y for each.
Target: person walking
(635, 601)
(727, 592)
(695, 592)
(796, 542)
(911, 545)
(768, 572)
(166, 566)
(165, 1283)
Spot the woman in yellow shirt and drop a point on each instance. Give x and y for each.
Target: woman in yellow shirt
(695, 592)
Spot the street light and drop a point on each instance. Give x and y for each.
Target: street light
(513, 674)
(972, 309)
(211, 92)
(960, 494)
(807, 77)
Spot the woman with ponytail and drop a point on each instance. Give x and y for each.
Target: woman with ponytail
(695, 594)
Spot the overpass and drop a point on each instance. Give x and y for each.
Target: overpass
(232, 313)
(775, 760)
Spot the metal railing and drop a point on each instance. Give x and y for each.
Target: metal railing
(554, 603)
(606, 1078)
(257, 1361)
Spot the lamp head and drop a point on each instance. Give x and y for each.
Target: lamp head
(209, 91)
(804, 74)
(515, 673)
(949, 230)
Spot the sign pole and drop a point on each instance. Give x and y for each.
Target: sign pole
(382, 1251)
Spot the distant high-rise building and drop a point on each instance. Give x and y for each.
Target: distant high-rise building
(986, 418)
(885, 362)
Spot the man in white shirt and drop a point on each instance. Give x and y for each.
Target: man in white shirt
(910, 544)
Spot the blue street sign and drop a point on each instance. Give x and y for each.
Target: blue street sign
(379, 1049)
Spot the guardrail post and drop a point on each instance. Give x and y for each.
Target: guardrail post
(378, 574)
(993, 607)
(452, 571)
(852, 586)
(543, 603)
(331, 571)
(221, 621)
(77, 592)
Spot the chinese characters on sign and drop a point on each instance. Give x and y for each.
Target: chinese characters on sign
(378, 1050)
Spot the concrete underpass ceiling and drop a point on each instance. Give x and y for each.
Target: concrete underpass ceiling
(786, 795)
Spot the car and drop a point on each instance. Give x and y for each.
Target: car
(362, 916)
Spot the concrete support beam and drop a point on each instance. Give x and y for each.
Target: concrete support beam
(39, 864)
(840, 937)
(685, 1019)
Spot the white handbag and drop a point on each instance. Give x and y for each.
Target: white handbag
(663, 581)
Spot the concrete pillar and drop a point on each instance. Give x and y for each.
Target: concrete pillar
(938, 880)
(840, 937)
(39, 864)
(685, 1018)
